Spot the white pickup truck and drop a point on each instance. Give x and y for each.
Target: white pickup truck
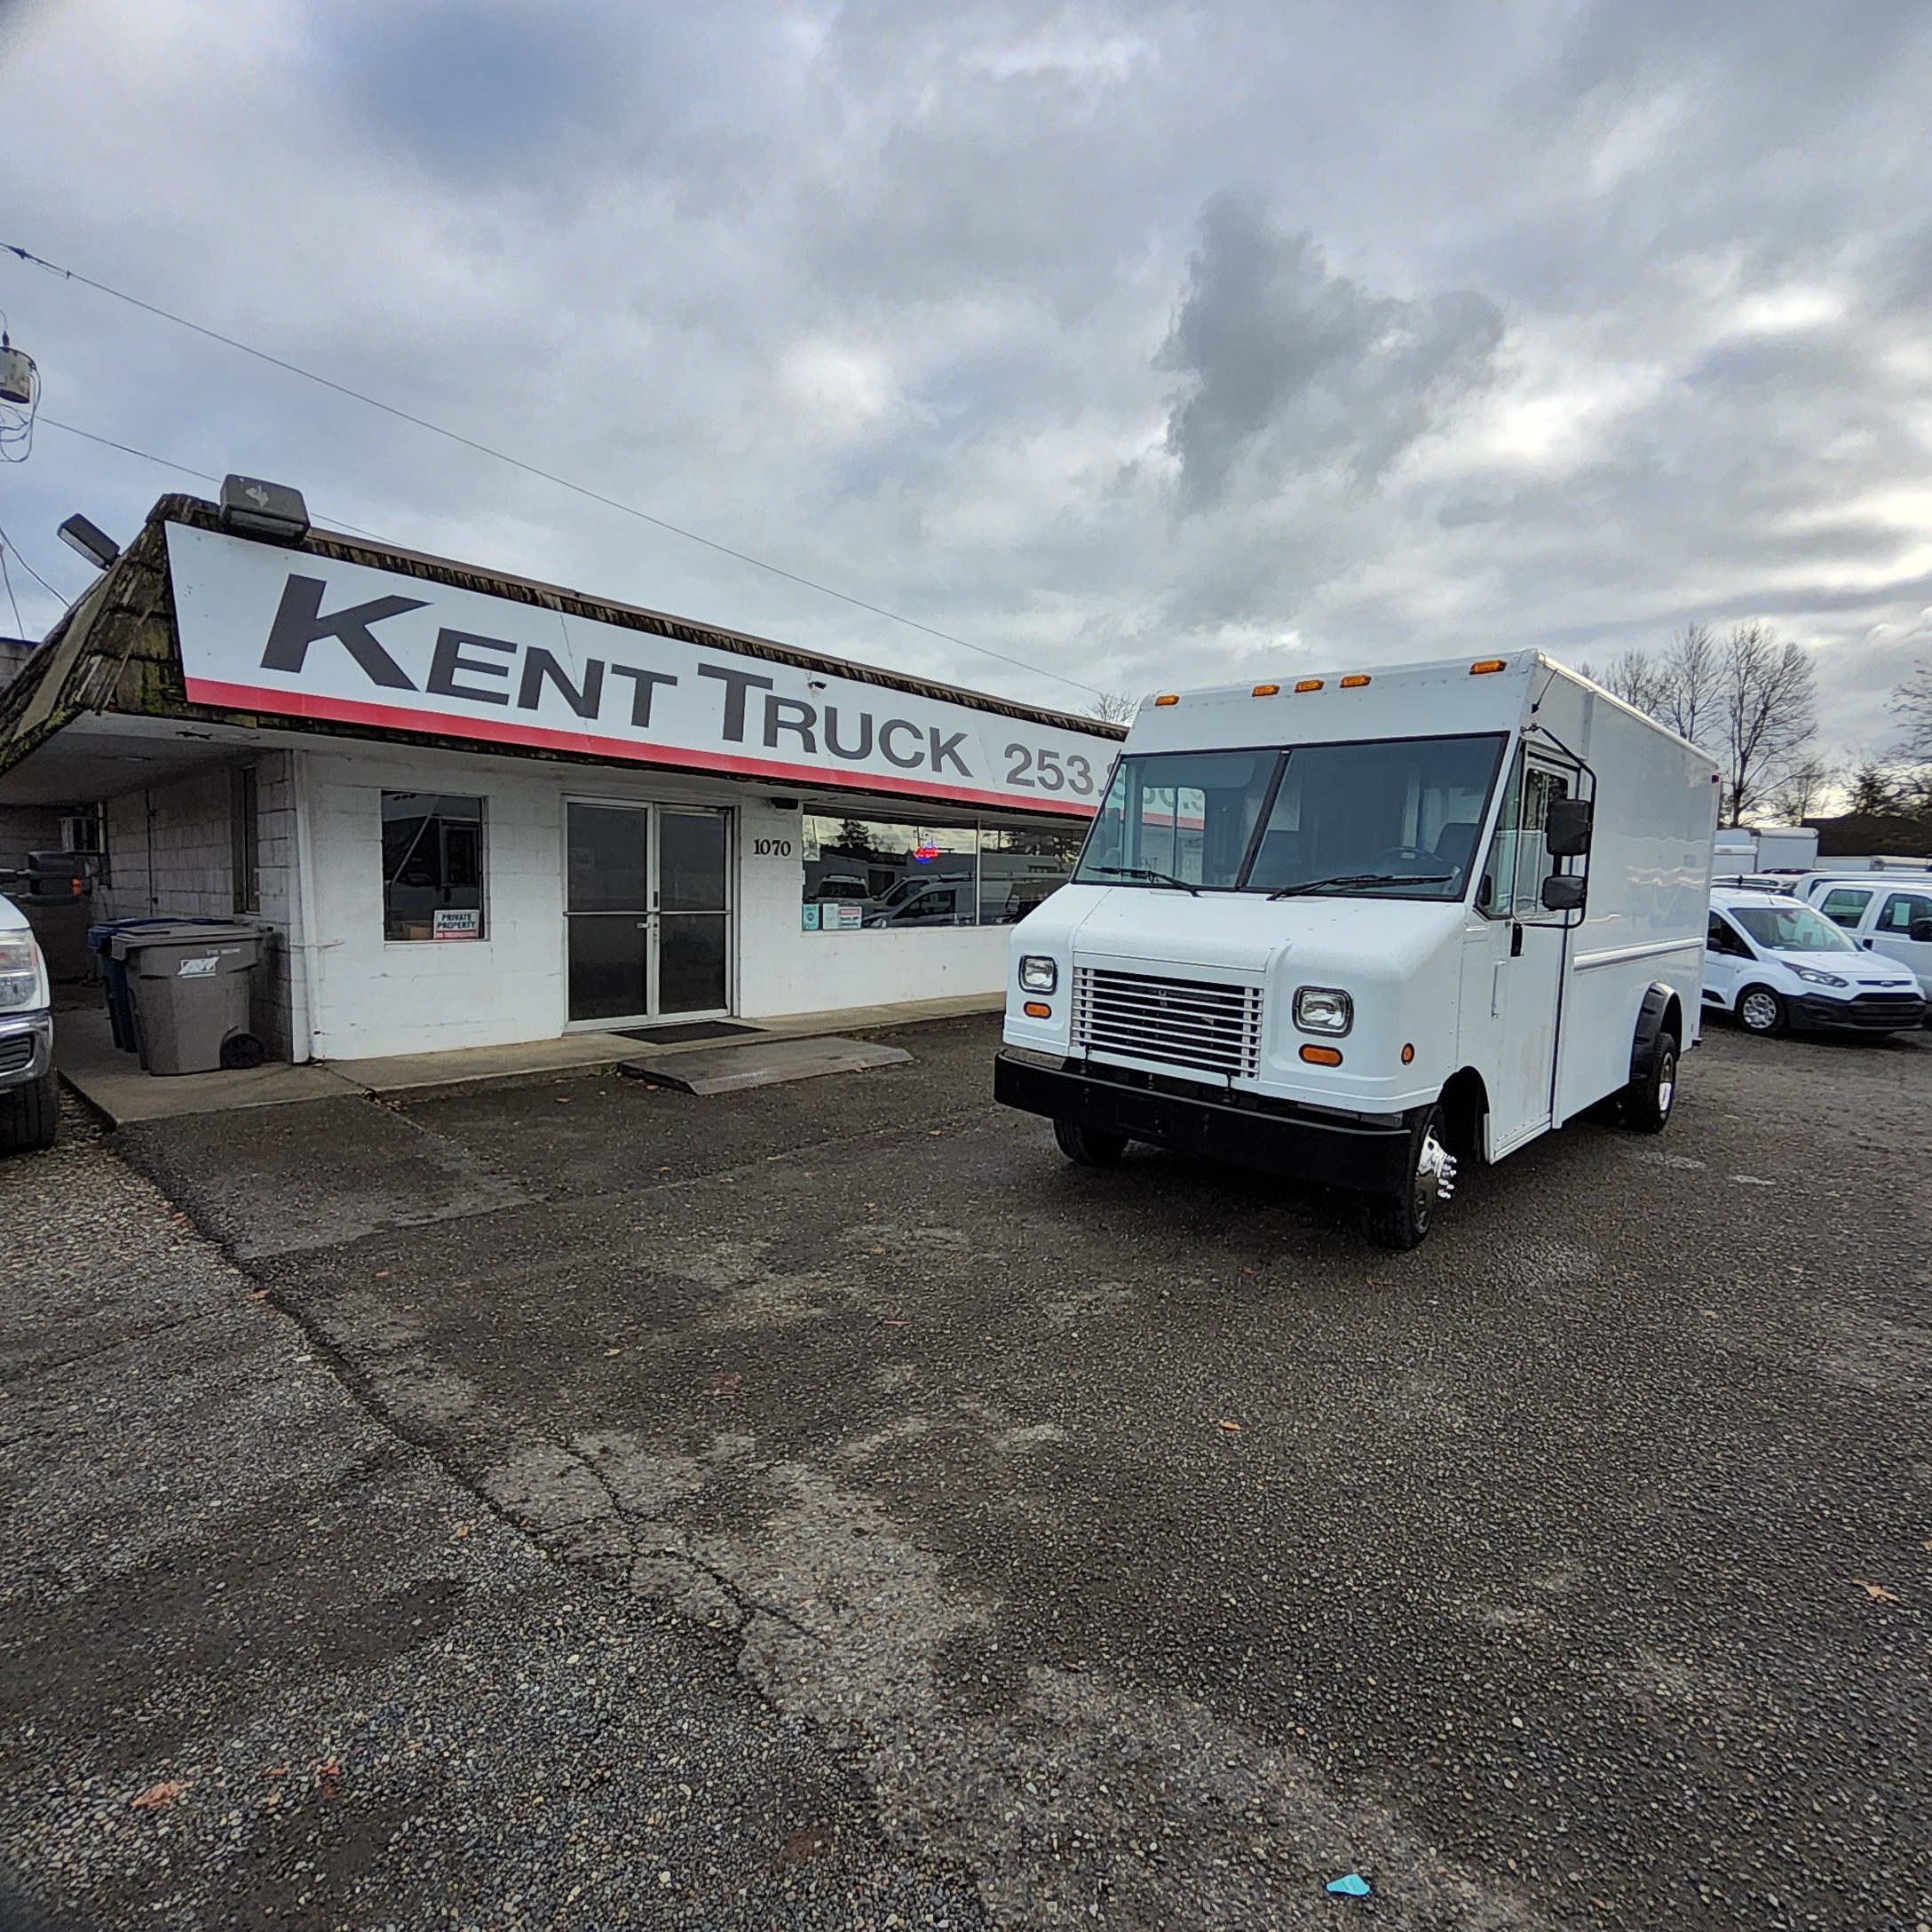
(1353, 928)
(29, 1091)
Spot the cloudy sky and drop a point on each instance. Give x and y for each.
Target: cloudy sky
(1142, 343)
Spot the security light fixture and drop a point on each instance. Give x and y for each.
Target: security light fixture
(273, 512)
(91, 541)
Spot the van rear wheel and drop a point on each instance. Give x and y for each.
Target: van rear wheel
(1088, 1147)
(1401, 1219)
(1648, 1100)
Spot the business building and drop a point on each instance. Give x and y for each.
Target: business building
(473, 809)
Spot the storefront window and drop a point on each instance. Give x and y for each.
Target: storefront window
(1018, 870)
(866, 874)
(432, 866)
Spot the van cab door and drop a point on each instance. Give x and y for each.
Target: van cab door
(1902, 929)
(1513, 962)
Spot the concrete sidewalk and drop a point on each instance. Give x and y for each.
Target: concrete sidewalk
(114, 1085)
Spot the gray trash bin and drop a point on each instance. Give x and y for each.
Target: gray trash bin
(191, 986)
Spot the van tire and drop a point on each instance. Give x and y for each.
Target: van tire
(30, 1115)
(1402, 1218)
(1761, 1012)
(1651, 1100)
(1087, 1148)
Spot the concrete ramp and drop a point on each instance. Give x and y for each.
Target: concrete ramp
(724, 1070)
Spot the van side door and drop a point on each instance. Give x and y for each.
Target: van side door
(1726, 956)
(1513, 969)
(1845, 905)
(1902, 929)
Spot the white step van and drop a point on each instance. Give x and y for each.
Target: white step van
(1355, 927)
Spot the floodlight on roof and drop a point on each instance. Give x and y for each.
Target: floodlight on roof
(251, 507)
(90, 540)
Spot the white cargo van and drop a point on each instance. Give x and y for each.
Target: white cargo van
(1887, 912)
(1352, 927)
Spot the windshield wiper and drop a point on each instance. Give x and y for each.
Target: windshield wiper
(1347, 881)
(1142, 872)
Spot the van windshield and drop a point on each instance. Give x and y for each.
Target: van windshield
(1393, 817)
(1791, 929)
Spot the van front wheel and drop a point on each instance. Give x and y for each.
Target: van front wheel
(1402, 1219)
(1087, 1148)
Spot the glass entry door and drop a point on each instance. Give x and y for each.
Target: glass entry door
(647, 907)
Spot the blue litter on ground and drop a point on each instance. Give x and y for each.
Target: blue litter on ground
(1355, 1886)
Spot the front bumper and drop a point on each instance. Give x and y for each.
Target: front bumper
(1870, 1012)
(25, 1047)
(1372, 1159)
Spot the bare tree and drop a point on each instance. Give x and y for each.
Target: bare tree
(1804, 789)
(1693, 683)
(1766, 713)
(1114, 706)
(1636, 677)
(1876, 788)
(1913, 701)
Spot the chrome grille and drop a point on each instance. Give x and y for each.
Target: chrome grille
(1190, 1022)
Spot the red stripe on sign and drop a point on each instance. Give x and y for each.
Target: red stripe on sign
(212, 692)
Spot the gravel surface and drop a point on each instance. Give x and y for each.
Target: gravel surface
(1147, 1551)
(263, 1662)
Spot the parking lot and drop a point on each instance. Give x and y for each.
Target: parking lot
(934, 1532)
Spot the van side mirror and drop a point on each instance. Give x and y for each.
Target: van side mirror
(1562, 893)
(1920, 933)
(1566, 827)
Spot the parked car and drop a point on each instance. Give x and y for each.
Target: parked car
(1889, 913)
(1775, 963)
(29, 1093)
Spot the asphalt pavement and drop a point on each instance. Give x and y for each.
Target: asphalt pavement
(994, 1539)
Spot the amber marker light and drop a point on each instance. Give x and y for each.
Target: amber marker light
(1038, 1009)
(1267, 691)
(1169, 698)
(1408, 1054)
(1309, 684)
(1322, 1055)
(1483, 665)
(1356, 682)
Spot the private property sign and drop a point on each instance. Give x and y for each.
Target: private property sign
(269, 630)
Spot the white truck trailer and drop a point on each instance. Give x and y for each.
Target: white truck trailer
(1353, 928)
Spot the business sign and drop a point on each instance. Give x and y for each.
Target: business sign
(277, 630)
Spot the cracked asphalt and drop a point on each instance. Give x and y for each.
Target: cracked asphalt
(826, 1495)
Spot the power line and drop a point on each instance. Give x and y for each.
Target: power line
(146, 455)
(548, 476)
(7, 543)
(6, 577)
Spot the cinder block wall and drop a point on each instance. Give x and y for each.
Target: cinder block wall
(170, 851)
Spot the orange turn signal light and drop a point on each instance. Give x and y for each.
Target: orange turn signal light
(1167, 698)
(1267, 691)
(1408, 1054)
(1322, 1055)
(1038, 1009)
(1356, 682)
(1309, 684)
(1483, 664)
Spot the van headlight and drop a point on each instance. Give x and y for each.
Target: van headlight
(1323, 1009)
(19, 976)
(1038, 973)
(1817, 978)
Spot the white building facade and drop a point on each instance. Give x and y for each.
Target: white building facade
(474, 811)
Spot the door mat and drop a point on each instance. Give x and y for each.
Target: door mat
(726, 1070)
(679, 1031)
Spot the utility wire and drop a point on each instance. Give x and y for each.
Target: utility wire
(548, 476)
(6, 544)
(128, 449)
(20, 630)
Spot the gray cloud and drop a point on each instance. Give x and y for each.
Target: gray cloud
(957, 306)
(1303, 368)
